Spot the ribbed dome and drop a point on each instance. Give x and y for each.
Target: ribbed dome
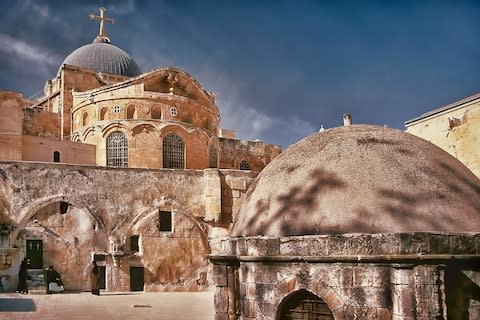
(361, 179)
(103, 57)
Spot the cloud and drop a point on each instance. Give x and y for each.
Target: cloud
(19, 49)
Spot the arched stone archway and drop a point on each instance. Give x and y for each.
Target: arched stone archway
(303, 305)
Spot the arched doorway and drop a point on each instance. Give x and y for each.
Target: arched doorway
(303, 305)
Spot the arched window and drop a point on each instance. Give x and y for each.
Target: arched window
(131, 112)
(56, 156)
(117, 150)
(103, 114)
(173, 152)
(156, 112)
(244, 165)
(303, 304)
(85, 119)
(212, 157)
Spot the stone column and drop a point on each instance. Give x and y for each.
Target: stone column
(225, 301)
(430, 299)
(403, 292)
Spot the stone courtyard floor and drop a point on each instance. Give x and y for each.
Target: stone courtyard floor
(109, 305)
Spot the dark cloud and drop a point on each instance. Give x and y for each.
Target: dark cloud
(285, 67)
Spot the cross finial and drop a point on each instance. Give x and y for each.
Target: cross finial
(101, 34)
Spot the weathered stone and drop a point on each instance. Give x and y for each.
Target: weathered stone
(220, 300)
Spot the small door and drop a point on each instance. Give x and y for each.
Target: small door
(136, 278)
(34, 252)
(102, 277)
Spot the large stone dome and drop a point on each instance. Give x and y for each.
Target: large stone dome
(361, 179)
(103, 57)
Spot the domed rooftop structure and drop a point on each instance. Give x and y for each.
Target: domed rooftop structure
(103, 57)
(361, 179)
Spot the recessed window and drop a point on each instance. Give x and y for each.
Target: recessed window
(64, 207)
(165, 221)
(244, 165)
(212, 157)
(173, 111)
(117, 150)
(173, 152)
(134, 243)
(99, 257)
(116, 109)
(56, 156)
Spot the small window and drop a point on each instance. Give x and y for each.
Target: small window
(212, 157)
(116, 109)
(64, 207)
(165, 221)
(99, 257)
(103, 114)
(131, 112)
(173, 111)
(156, 112)
(56, 156)
(244, 165)
(85, 119)
(134, 243)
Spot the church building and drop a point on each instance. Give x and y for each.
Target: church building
(126, 168)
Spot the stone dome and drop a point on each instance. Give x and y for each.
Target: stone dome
(103, 57)
(361, 179)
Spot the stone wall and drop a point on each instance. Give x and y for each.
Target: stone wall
(81, 211)
(455, 131)
(378, 276)
(256, 153)
(11, 106)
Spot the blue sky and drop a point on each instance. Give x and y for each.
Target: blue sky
(280, 69)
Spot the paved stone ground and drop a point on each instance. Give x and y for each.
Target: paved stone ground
(109, 305)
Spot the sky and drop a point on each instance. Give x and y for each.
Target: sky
(280, 69)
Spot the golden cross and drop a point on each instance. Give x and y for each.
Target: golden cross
(102, 19)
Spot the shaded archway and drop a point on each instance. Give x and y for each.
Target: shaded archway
(303, 304)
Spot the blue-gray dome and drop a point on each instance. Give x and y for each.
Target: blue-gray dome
(103, 57)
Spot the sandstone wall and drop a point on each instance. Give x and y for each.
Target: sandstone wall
(11, 121)
(256, 153)
(81, 211)
(36, 148)
(455, 131)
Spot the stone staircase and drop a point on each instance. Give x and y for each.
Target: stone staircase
(36, 281)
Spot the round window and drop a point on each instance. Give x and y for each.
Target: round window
(116, 109)
(173, 111)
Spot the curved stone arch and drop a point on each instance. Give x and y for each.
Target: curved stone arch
(103, 113)
(139, 128)
(173, 128)
(156, 111)
(131, 111)
(26, 213)
(145, 216)
(76, 136)
(116, 126)
(329, 296)
(87, 131)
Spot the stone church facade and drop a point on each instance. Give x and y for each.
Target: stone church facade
(126, 168)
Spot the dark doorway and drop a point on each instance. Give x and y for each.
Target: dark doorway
(34, 252)
(102, 277)
(136, 278)
(56, 156)
(303, 305)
